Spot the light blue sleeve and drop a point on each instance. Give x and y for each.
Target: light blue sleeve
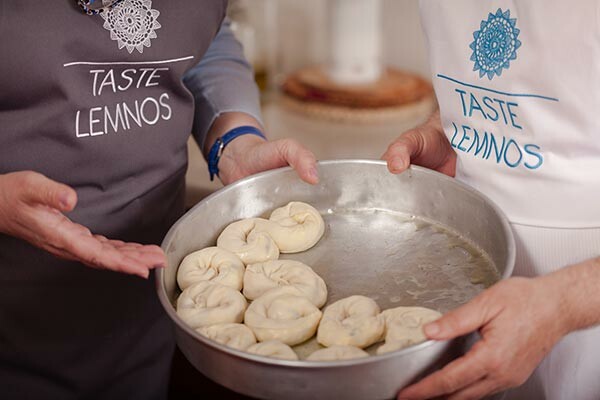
(223, 81)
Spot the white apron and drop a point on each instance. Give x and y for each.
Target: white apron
(518, 83)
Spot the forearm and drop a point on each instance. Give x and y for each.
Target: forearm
(580, 298)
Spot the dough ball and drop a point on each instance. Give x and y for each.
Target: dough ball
(273, 349)
(249, 244)
(334, 353)
(211, 264)
(404, 327)
(353, 321)
(237, 336)
(283, 314)
(207, 303)
(295, 227)
(262, 277)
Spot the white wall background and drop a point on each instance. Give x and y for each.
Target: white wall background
(300, 34)
(404, 43)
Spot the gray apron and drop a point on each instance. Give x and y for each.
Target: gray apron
(95, 102)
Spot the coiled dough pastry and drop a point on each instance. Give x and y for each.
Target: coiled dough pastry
(295, 227)
(207, 303)
(211, 264)
(283, 314)
(353, 321)
(251, 245)
(237, 336)
(334, 353)
(273, 349)
(262, 277)
(404, 327)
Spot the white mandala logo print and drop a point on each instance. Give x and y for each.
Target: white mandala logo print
(132, 23)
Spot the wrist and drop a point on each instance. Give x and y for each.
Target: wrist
(223, 124)
(239, 146)
(227, 147)
(214, 148)
(234, 161)
(575, 290)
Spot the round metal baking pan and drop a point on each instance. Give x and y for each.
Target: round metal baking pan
(418, 238)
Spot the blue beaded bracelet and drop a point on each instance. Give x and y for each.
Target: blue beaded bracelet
(214, 155)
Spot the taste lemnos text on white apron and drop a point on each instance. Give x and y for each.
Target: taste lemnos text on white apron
(517, 83)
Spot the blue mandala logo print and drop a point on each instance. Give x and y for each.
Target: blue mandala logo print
(495, 45)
